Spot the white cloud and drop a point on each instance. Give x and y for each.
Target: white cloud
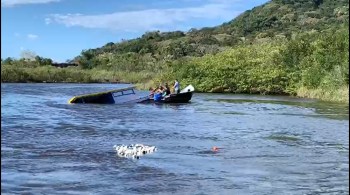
(17, 34)
(11, 3)
(32, 36)
(149, 19)
(48, 20)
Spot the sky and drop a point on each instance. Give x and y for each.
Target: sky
(61, 29)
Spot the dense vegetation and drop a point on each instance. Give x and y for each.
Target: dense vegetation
(297, 47)
(312, 64)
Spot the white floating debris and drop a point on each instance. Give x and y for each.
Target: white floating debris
(134, 150)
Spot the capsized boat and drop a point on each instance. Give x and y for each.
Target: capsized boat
(109, 97)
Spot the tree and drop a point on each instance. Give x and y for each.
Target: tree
(46, 61)
(7, 61)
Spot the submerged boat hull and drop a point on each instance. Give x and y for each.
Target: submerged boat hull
(106, 97)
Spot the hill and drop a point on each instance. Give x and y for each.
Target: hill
(277, 18)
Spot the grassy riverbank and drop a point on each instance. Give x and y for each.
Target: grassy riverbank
(333, 95)
(49, 74)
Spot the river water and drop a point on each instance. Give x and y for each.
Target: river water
(267, 144)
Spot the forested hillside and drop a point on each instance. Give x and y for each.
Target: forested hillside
(277, 18)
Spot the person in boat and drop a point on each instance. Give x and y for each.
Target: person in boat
(162, 90)
(167, 89)
(151, 92)
(176, 86)
(158, 95)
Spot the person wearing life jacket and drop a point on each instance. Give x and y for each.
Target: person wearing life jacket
(158, 95)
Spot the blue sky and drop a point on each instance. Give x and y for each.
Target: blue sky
(61, 29)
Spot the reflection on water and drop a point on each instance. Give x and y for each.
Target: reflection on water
(320, 109)
(267, 144)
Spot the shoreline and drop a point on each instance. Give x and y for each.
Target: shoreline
(305, 93)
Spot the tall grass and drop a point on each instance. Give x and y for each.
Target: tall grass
(334, 95)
